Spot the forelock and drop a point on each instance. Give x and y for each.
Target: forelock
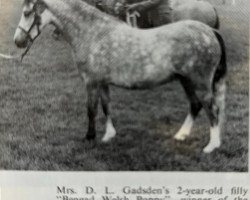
(27, 2)
(40, 5)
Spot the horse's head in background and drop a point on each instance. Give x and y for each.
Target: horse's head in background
(33, 19)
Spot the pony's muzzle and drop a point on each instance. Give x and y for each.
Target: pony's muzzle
(21, 40)
(21, 44)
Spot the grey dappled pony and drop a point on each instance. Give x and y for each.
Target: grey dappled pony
(110, 52)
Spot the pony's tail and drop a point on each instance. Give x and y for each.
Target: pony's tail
(221, 70)
(217, 22)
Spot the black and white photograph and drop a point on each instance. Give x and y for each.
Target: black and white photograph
(124, 85)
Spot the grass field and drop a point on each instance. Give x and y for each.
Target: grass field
(43, 116)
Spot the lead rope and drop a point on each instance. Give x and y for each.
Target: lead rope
(131, 18)
(18, 56)
(6, 56)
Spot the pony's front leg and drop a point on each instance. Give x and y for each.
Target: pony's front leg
(92, 103)
(105, 99)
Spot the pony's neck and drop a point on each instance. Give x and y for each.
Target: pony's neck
(76, 18)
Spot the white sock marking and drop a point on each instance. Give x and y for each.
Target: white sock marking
(185, 129)
(214, 139)
(110, 131)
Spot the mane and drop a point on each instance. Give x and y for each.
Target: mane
(25, 2)
(76, 17)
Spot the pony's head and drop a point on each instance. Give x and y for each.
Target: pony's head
(35, 16)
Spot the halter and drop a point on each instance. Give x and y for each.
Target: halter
(36, 22)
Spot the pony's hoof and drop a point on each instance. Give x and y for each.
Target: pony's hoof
(108, 137)
(180, 137)
(105, 140)
(90, 137)
(210, 148)
(110, 132)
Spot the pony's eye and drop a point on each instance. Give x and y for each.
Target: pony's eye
(27, 13)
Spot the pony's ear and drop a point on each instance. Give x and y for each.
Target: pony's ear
(40, 6)
(41, 3)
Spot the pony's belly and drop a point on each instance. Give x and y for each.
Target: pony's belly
(141, 84)
(144, 77)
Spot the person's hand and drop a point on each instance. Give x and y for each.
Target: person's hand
(119, 9)
(98, 4)
(134, 7)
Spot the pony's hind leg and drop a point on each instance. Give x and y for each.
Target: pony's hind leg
(195, 107)
(215, 111)
(92, 103)
(105, 99)
(215, 108)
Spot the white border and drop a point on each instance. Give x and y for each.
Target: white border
(21, 185)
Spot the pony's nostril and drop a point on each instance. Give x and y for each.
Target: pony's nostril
(21, 43)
